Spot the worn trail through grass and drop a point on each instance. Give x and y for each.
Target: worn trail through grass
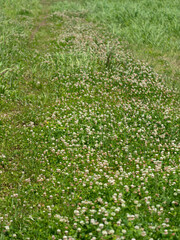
(89, 136)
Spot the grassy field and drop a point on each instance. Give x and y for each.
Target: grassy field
(89, 135)
(151, 29)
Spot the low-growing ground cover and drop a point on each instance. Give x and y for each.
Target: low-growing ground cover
(89, 135)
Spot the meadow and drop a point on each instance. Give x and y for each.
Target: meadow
(89, 134)
(150, 29)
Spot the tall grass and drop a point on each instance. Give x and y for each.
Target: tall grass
(153, 22)
(16, 23)
(151, 28)
(13, 8)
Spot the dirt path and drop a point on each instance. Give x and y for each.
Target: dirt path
(42, 20)
(41, 23)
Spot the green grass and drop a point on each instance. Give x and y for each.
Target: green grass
(150, 28)
(89, 135)
(17, 21)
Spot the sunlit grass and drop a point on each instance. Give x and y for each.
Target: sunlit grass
(89, 135)
(151, 28)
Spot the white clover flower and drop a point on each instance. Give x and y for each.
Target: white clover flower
(113, 214)
(101, 225)
(117, 209)
(111, 231)
(104, 232)
(7, 228)
(76, 212)
(143, 233)
(118, 223)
